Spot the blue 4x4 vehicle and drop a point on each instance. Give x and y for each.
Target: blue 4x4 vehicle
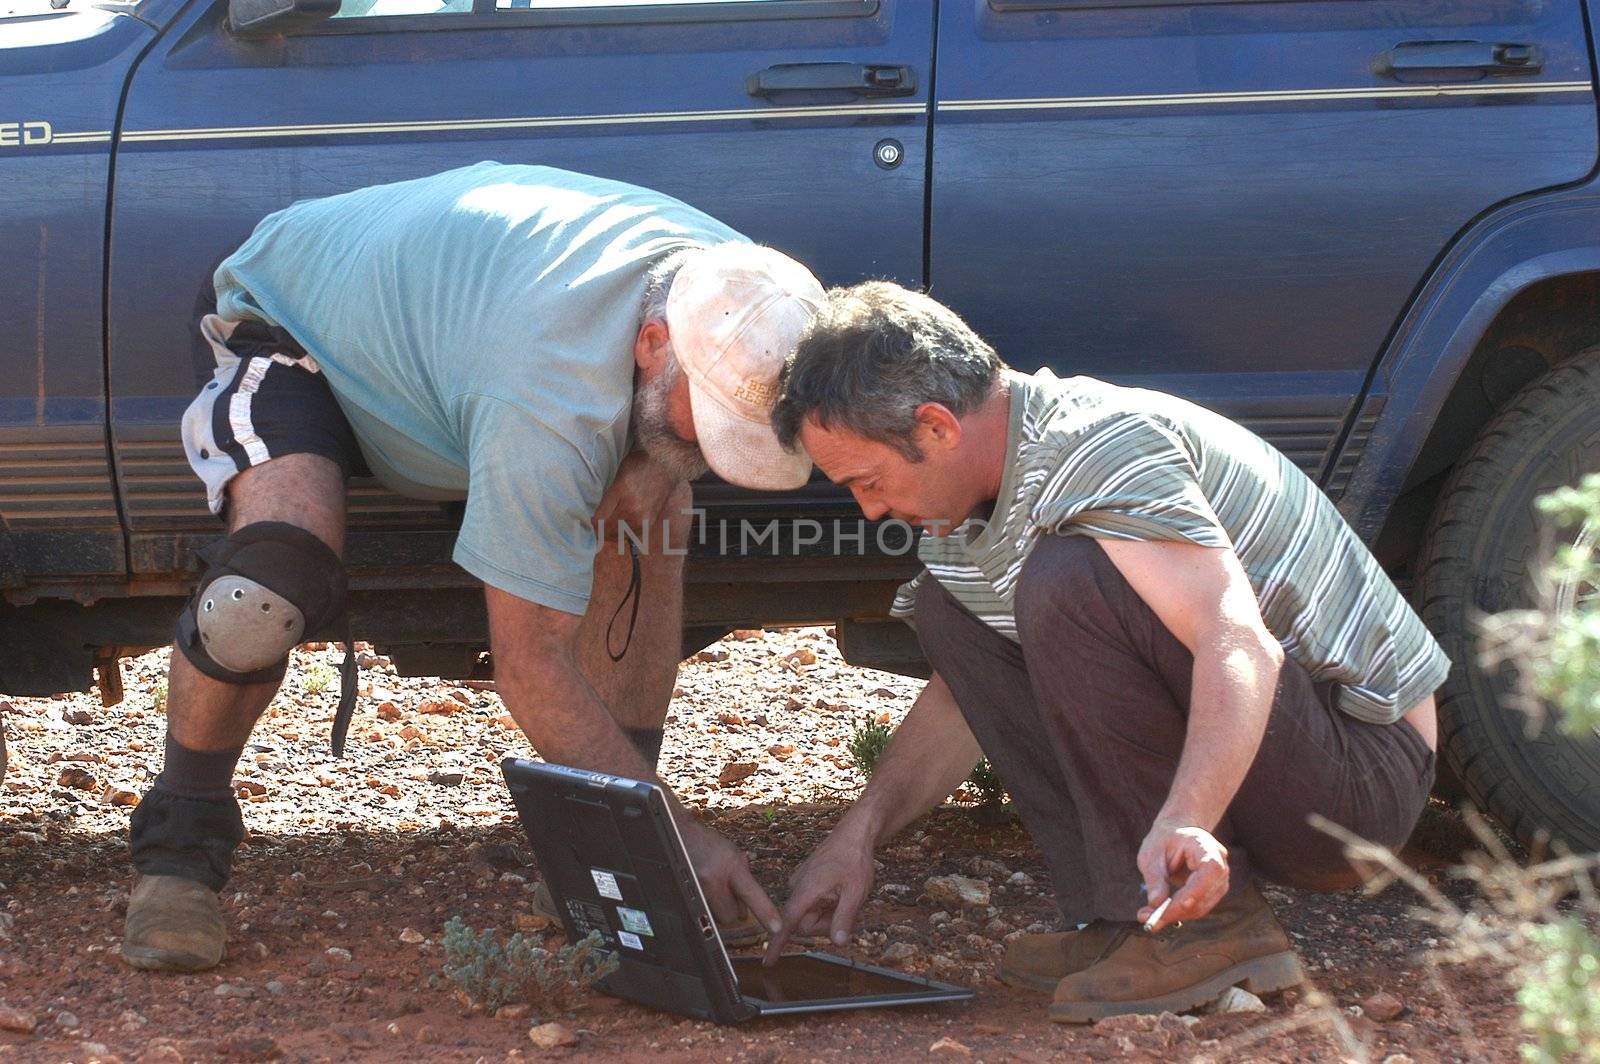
(1368, 229)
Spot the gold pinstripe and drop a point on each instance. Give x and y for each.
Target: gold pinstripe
(531, 122)
(1041, 103)
(1189, 99)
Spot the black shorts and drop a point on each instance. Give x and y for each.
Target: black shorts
(267, 399)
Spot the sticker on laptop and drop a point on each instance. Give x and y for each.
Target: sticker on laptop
(606, 884)
(630, 940)
(635, 921)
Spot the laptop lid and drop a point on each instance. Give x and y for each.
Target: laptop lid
(615, 863)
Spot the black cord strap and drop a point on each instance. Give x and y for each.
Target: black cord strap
(633, 618)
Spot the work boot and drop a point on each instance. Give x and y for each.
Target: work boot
(174, 925)
(746, 932)
(1238, 943)
(1039, 962)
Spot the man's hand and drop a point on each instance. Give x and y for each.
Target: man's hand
(638, 494)
(1175, 853)
(827, 891)
(725, 878)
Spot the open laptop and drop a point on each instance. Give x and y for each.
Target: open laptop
(615, 863)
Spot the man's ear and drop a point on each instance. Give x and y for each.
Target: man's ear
(650, 347)
(937, 428)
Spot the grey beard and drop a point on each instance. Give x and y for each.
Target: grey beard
(652, 429)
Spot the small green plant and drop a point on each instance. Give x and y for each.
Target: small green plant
(158, 697)
(493, 975)
(871, 737)
(319, 678)
(1561, 999)
(867, 743)
(985, 784)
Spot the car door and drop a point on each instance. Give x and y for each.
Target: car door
(1234, 200)
(62, 69)
(800, 122)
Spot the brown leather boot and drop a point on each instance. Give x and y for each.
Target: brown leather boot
(174, 925)
(1039, 962)
(1238, 943)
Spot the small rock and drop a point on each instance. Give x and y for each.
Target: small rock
(446, 779)
(77, 778)
(1129, 1023)
(551, 1036)
(249, 1047)
(958, 890)
(249, 788)
(274, 986)
(461, 696)
(949, 1047)
(339, 953)
(781, 750)
(1354, 1012)
(531, 922)
(121, 796)
(230, 990)
(78, 716)
(17, 1021)
(67, 1021)
(517, 1010)
(388, 711)
(1020, 879)
(898, 953)
(1398, 1058)
(440, 706)
(735, 771)
(411, 936)
(1236, 999)
(162, 1053)
(1383, 1006)
(711, 654)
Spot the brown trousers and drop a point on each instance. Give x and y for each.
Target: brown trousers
(1086, 719)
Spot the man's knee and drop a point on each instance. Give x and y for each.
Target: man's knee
(1066, 579)
(265, 587)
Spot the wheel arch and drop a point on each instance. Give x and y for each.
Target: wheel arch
(1443, 376)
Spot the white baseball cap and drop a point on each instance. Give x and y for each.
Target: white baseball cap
(734, 314)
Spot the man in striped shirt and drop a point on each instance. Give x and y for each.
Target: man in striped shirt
(1164, 637)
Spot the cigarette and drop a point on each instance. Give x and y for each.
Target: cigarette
(1155, 917)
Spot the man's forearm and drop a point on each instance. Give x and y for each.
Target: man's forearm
(928, 756)
(1235, 675)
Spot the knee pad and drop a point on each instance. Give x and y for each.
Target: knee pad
(265, 587)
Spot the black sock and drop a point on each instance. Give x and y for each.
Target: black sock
(194, 774)
(647, 741)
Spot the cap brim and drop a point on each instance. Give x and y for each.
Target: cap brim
(745, 453)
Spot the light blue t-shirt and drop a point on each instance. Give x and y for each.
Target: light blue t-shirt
(477, 328)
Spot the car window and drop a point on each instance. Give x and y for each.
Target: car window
(376, 8)
(380, 8)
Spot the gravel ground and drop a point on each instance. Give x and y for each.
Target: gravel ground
(353, 866)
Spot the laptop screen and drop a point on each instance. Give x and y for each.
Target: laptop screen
(802, 977)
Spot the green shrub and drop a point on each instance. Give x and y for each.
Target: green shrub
(985, 784)
(867, 743)
(1556, 649)
(870, 738)
(493, 975)
(1561, 998)
(319, 678)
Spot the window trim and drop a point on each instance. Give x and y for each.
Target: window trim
(485, 15)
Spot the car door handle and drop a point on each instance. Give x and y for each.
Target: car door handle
(1480, 57)
(862, 79)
